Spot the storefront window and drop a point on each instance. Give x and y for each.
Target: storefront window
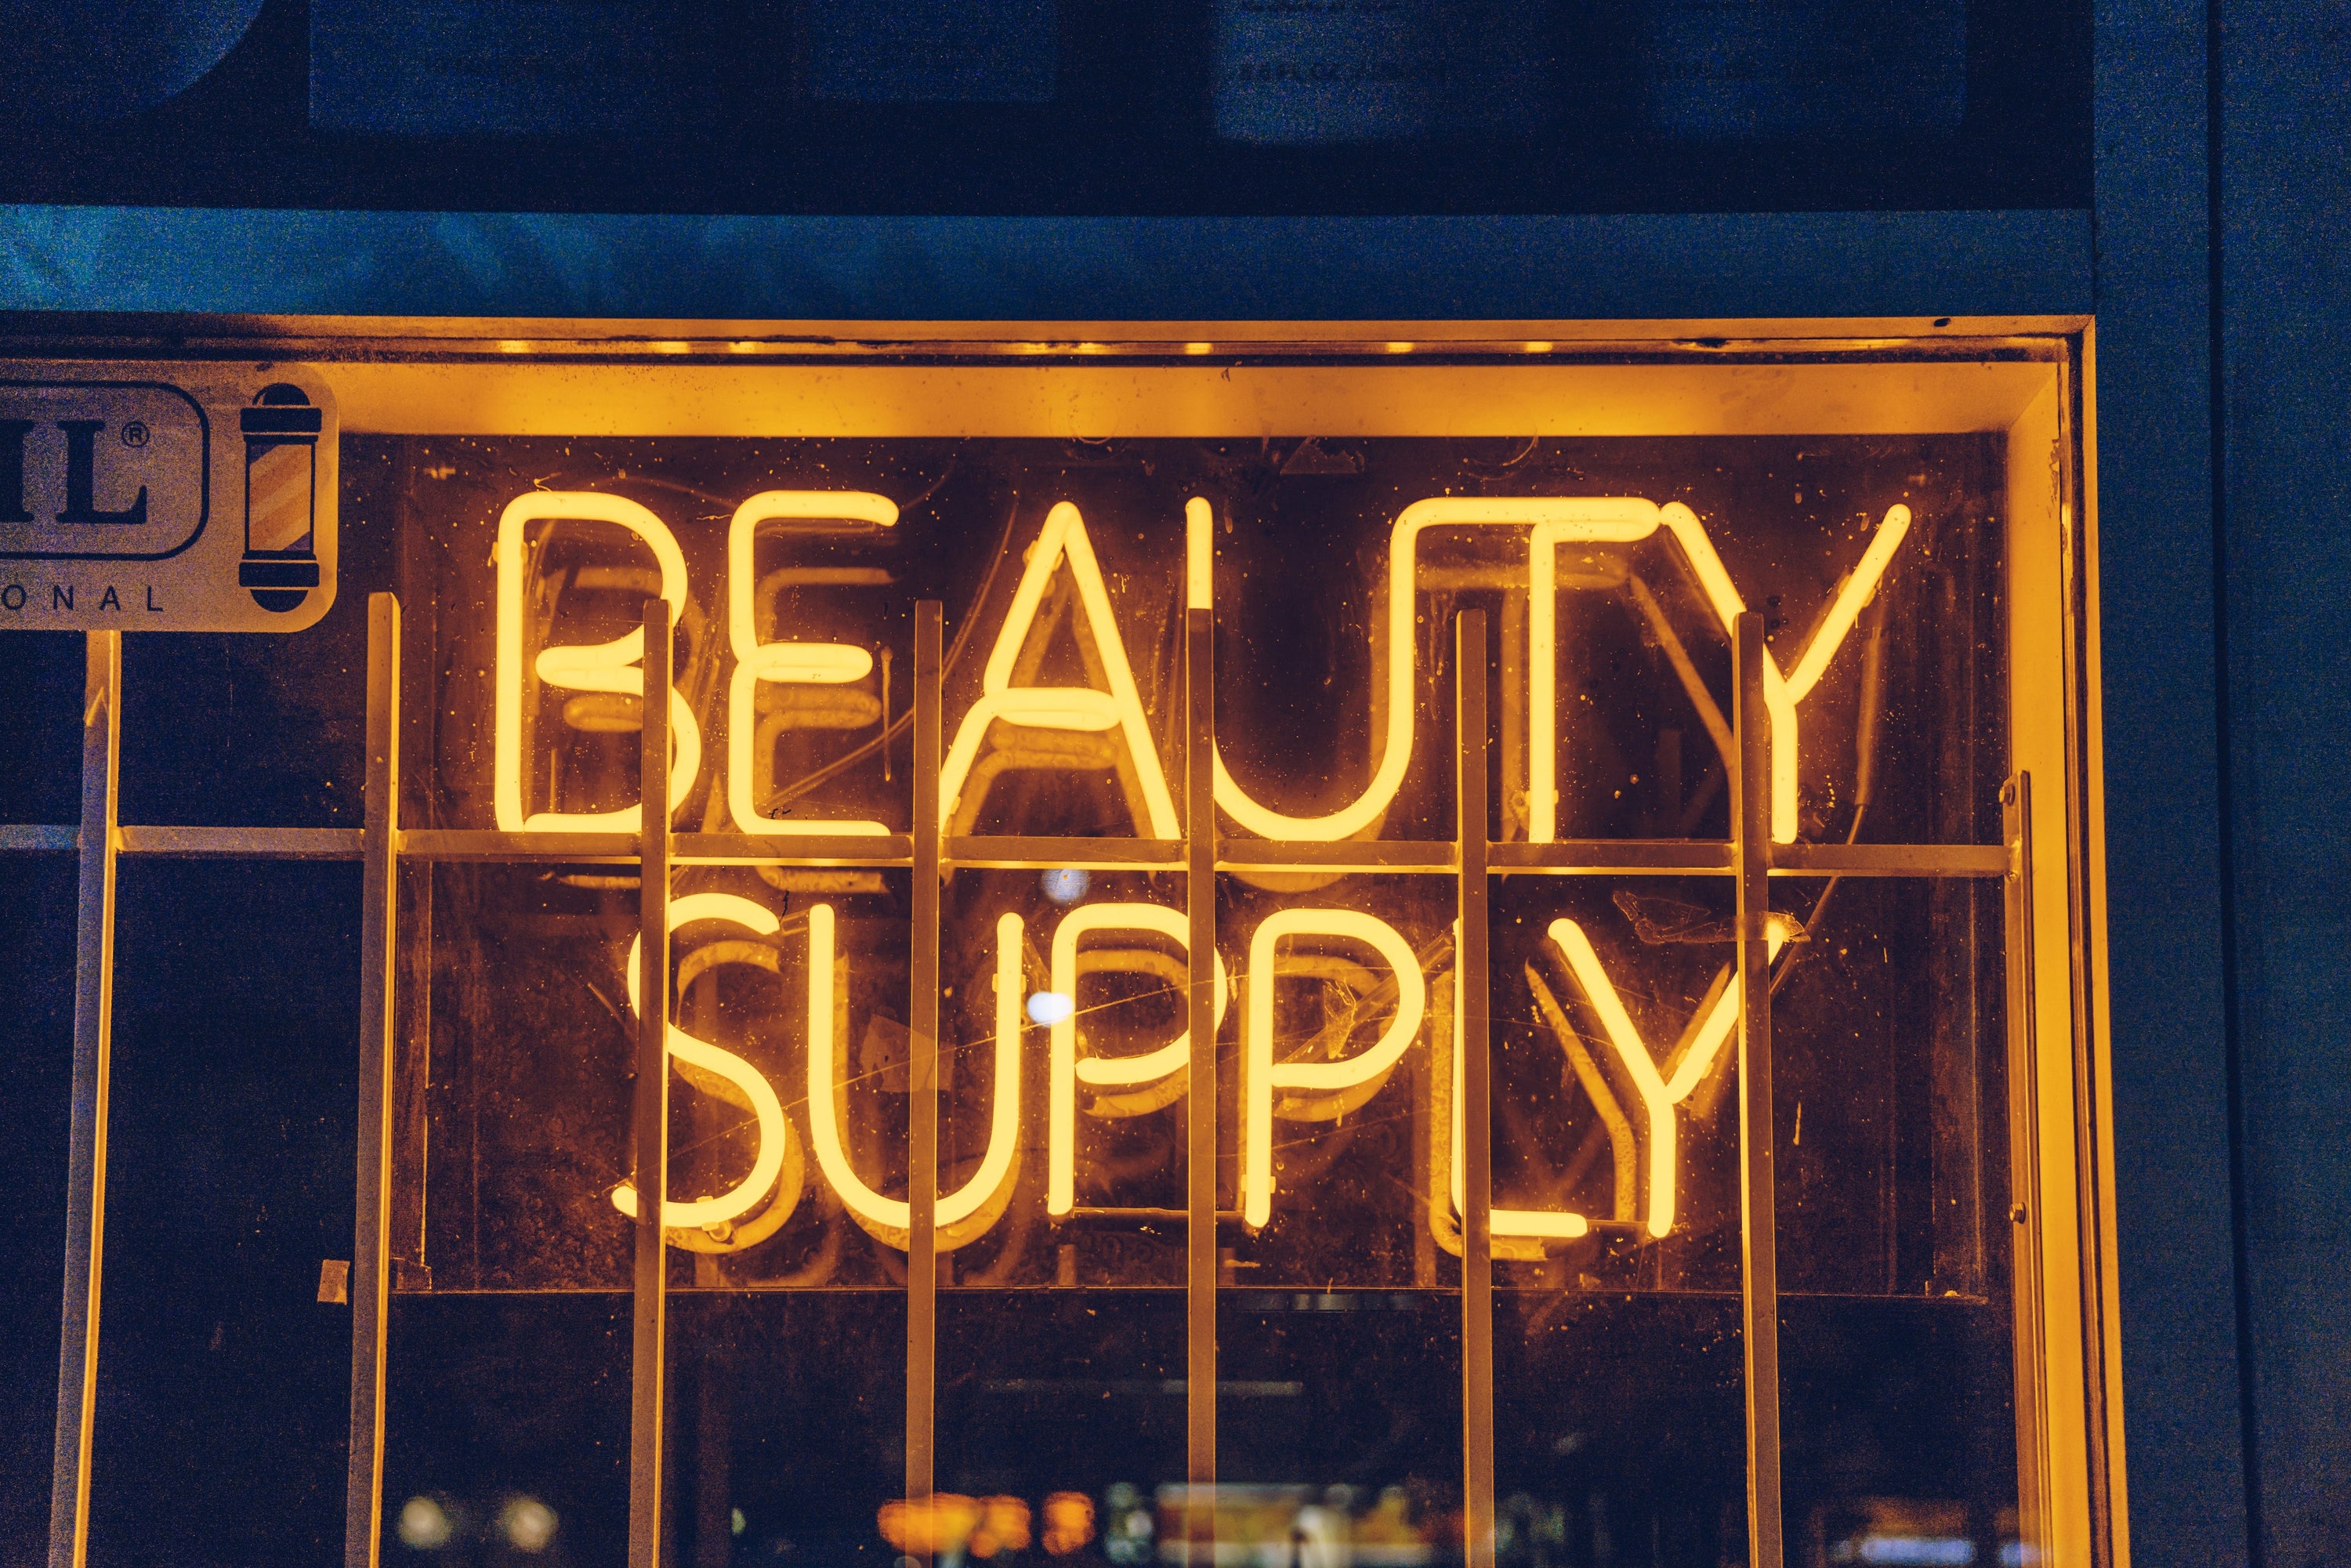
(1532, 1342)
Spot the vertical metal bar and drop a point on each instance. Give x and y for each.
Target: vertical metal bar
(1200, 1097)
(1760, 1278)
(372, 1227)
(2033, 1476)
(1469, 967)
(2095, 1267)
(1518, 783)
(922, 1103)
(649, 1113)
(101, 743)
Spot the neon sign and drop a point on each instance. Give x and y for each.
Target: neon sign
(1062, 584)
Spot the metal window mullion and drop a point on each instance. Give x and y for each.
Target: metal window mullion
(1471, 1002)
(650, 1108)
(102, 746)
(922, 1101)
(1758, 1241)
(2033, 1480)
(1200, 1096)
(371, 1227)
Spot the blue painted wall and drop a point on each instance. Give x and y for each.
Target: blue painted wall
(2285, 421)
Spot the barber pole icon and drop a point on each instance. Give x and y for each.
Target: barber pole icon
(281, 451)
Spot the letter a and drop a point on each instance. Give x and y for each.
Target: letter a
(1078, 708)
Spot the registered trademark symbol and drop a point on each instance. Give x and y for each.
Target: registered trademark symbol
(134, 433)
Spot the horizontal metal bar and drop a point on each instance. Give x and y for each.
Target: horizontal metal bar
(241, 844)
(796, 849)
(1587, 857)
(478, 844)
(1256, 854)
(1572, 857)
(1617, 857)
(1009, 853)
(690, 849)
(1889, 860)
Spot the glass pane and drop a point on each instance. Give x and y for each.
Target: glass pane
(1898, 1345)
(37, 903)
(506, 1426)
(1061, 1417)
(1339, 1426)
(1620, 1428)
(788, 1424)
(222, 1378)
(1875, 563)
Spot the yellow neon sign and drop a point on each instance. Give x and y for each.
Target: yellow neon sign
(1272, 1090)
(980, 1198)
(1689, 1066)
(1551, 521)
(1554, 521)
(699, 1059)
(1554, 1225)
(1782, 693)
(586, 667)
(1079, 708)
(1068, 1069)
(1261, 1075)
(826, 663)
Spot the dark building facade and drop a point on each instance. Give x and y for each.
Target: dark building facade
(1869, 478)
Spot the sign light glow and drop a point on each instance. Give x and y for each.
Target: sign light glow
(1318, 1085)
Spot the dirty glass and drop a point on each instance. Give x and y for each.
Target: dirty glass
(1339, 566)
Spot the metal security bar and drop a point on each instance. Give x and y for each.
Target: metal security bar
(370, 1285)
(1759, 1230)
(1472, 859)
(1200, 1097)
(1471, 1002)
(649, 1112)
(101, 745)
(923, 1091)
(1563, 857)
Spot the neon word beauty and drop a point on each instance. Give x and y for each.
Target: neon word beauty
(1547, 523)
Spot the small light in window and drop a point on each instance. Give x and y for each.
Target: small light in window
(1047, 1009)
(1066, 885)
(528, 1523)
(1069, 1523)
(423, 1524)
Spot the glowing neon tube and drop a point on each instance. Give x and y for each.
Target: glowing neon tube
(774, 1132)
(1659, 1095)
(890, 1218)
(1783, 692)
(1062, 708)
(1543, 1224)
(1555, 520)
(1396, 751)
(591, 667)
(1068, 1071)
(783, 662)
(1261, 1076)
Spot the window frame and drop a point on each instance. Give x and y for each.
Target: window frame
(392, 377)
